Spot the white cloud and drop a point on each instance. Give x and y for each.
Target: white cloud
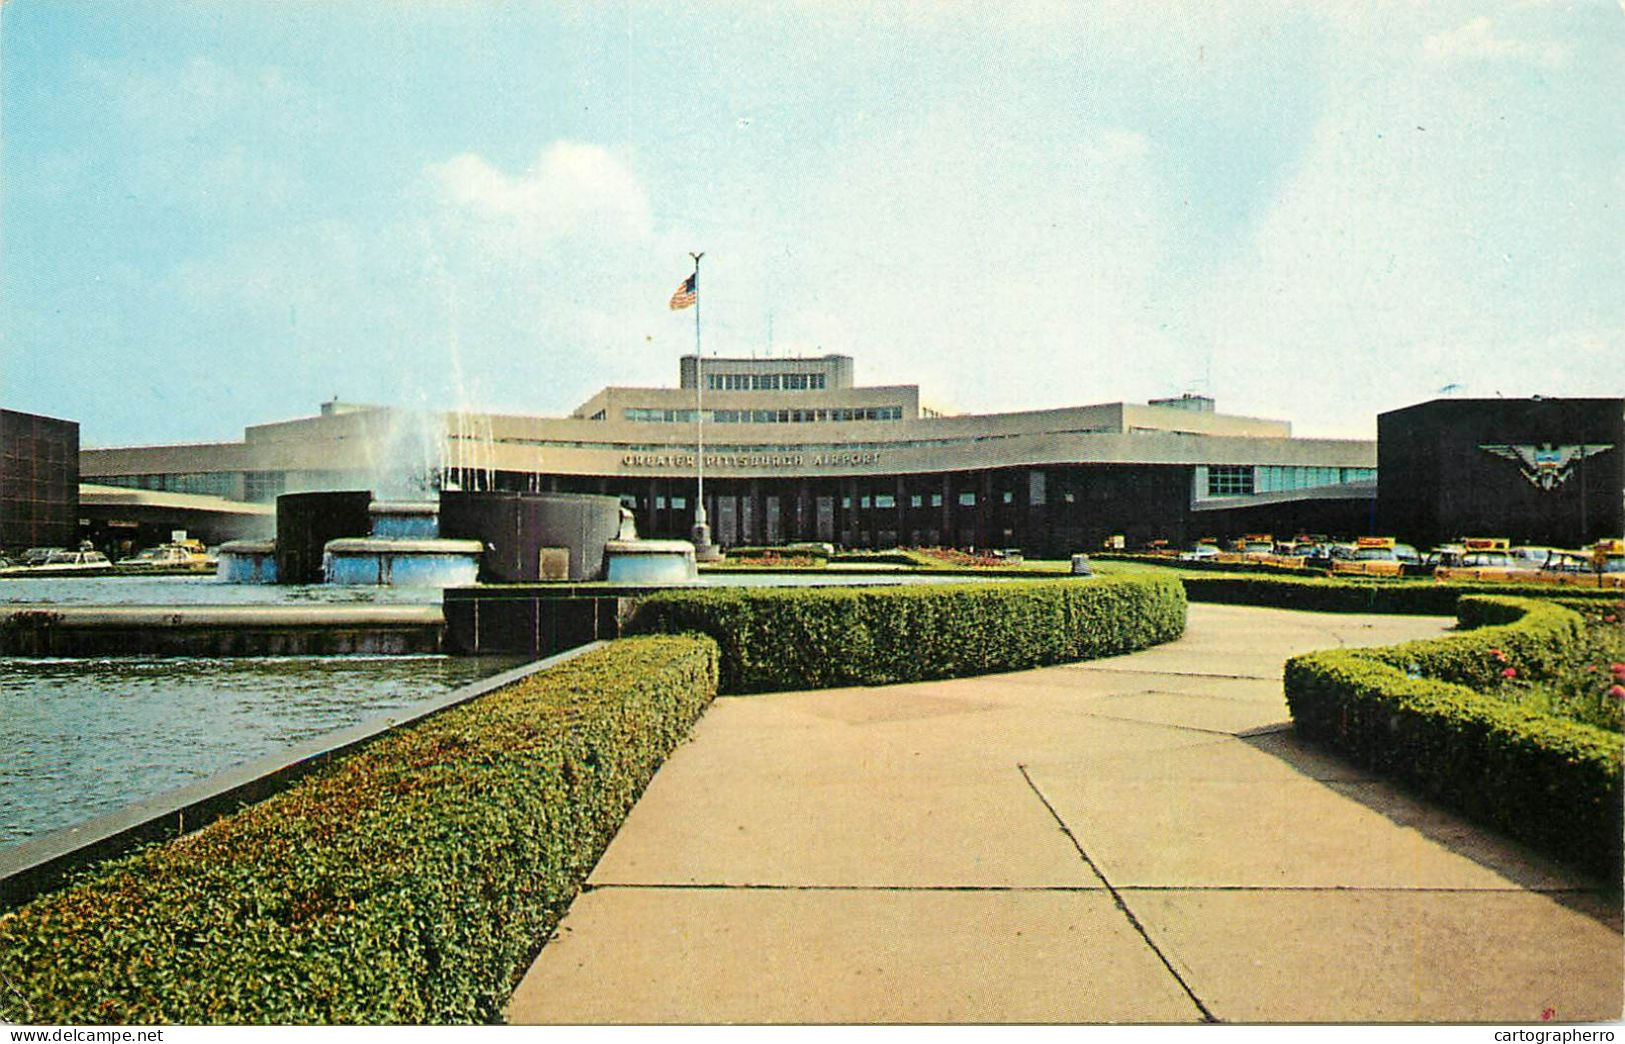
(572, 188)
(1478, 40)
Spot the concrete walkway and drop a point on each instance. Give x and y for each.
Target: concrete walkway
(1126, 840)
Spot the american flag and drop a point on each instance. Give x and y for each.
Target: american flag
(686, 294)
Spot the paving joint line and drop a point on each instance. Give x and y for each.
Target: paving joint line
(1187, 695)
(701, 886)
(1164, 724)
(1371, 889)
(723, 886)
(1117, 897)
(1172, 674)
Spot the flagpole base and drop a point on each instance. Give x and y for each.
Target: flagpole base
(704, 550)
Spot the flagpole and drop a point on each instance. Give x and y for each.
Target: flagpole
(702, 532)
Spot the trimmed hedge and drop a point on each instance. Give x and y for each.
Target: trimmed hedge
(409, 883)
(1409, 711)
(812, 638)
(1422, 597)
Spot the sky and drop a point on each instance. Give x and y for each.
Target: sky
(217, 214)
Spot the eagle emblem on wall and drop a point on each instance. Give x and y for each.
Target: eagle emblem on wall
(1545, 466)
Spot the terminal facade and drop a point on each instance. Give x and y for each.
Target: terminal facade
(795, 450)
(1540, 471)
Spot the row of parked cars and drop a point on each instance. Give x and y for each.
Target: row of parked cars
(1471, 558)
(85, 560)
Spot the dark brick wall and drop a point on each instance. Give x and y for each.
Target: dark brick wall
(39, 481)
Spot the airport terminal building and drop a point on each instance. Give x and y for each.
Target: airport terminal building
(795, 450)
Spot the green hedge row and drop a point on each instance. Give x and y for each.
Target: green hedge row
(1409, 711)
(1424, 597)
(410, 883)
(810, 638)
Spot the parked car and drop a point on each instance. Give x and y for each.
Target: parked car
(1370, 556)
(166, 556)
(1199, 553)
(1531, 557)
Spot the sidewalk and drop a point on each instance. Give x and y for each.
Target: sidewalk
(1125, 840)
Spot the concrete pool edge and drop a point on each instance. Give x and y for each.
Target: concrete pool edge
(39, 864)
(219, 630)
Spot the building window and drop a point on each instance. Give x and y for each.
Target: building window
(967, 500)
(262, 486)
(936, 500)
(916, 501)
(1227, 480)
(885, 500)
(1009, 496)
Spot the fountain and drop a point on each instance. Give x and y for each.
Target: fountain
(247, 562)
(404, 550)
(629, 560)
(491, 536)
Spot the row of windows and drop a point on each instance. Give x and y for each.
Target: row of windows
(257, 486)
(687, 416)
(206, 483)
(855, 413)
(764, 381)
(1244, 480)
(1273, 478)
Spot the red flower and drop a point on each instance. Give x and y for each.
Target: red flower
(1498, 655)
(1510, 672)
(1617, 691)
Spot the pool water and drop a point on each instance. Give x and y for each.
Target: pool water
(88, 736)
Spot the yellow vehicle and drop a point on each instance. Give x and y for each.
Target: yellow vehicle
(1492, 559)
(181, 555)
(1253, 547)
(1372, 556)
(1609, 558)
(1484, 558)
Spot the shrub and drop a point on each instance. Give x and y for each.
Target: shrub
(1330, 595)
(411, 882)
(1412, 711)
(811, 638)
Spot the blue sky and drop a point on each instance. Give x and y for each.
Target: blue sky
(215, 214)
